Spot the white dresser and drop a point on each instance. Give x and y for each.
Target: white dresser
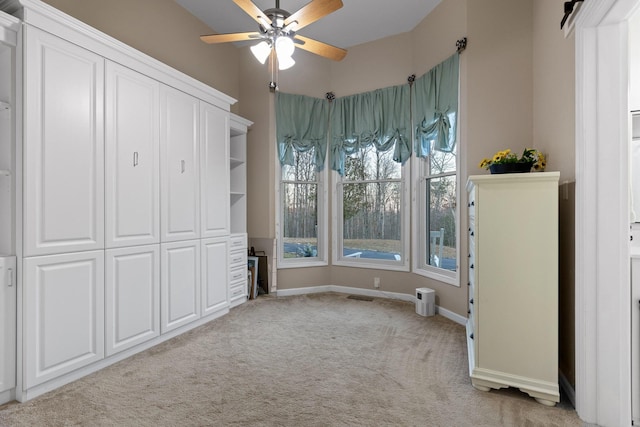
(512, 330)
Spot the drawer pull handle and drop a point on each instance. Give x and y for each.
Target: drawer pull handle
(468, 283)
(472, 233)
(471, 266)
(471, 301)
(468, 311)
(471, 336)
(473, 203)
(135, 159)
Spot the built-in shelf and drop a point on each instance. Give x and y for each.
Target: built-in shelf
(236, 194)
(235, 162)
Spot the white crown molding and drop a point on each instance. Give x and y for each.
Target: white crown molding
(41, 15)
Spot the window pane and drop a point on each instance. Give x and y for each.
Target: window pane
(369, 164)
(303, 168)
(441, 218)
(372, 220)
(300, 220)
(440, 162)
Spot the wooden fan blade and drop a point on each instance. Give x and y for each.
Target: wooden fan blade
(231, 37)
(253, 11)
(313, 11)
(322, 49)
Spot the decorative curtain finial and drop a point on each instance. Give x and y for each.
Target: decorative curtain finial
(411, 79)
(461, 44)
(330, 96)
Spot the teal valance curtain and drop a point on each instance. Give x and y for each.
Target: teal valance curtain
(301, 125)
(436, 107)
(380, 118)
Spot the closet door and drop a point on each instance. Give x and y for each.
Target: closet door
(132, 296)
(64, 314)
(179, 150)
(180, 284)
(63, 146)
(215, 275)
(214, 170)
(132, 158)
(8, 287)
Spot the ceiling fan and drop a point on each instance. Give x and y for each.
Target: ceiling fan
(277, 31)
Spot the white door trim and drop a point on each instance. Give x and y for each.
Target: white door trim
(603, 386)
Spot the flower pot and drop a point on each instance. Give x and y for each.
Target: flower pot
(511, 167)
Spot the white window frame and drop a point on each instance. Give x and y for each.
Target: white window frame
(322, 232)
(337, 230)
(420, 225)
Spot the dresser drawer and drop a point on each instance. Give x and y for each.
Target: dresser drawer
(237, 274)
(472, 204)
(238, 241)
(238, 290)
(238, 258)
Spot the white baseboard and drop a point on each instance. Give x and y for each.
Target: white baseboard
(370, 293)
(565, 385)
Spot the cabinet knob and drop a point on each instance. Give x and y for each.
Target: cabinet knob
(471, 301)
(468, 283)
(472, 233)
(469, 256)
(471, 266)
(471, 336)
(473, 203)
(468, 311)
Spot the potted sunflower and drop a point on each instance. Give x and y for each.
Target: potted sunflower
(506, 161)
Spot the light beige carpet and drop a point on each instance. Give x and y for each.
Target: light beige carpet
(315, 360)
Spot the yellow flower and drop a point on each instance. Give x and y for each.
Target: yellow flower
(497, 157)
(484, 163)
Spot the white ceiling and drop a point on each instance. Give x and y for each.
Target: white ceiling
(358, 21)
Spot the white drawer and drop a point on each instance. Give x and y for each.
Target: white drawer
(238, 241)
(238, 273)
(238, 259)
(238, 289)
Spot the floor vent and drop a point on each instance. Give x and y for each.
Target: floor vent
(360, 297)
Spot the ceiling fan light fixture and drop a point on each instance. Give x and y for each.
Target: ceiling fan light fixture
(285, 62)
(261, 51)
(284, 46)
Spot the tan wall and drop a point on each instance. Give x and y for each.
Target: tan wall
(554, 134)
(553, 89)
(165, 31)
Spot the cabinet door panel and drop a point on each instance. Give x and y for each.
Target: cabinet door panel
(63, 147)
(214, 170)
(180, 284)
(132, 158)
(215, 275)
(132, 296)
(7, 323)
(64, 321)
(180, 185)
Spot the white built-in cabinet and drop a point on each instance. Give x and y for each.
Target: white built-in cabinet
(63, 146)
(63, 314)
(214, 168)
(132, 150)
(120, 211)
(512, 330)
(215, 274)
(8, 286)
(179, 177)
(9, 27)
(179, 284)
(132, 296)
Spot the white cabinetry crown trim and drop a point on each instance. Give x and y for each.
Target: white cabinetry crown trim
(42, 15)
